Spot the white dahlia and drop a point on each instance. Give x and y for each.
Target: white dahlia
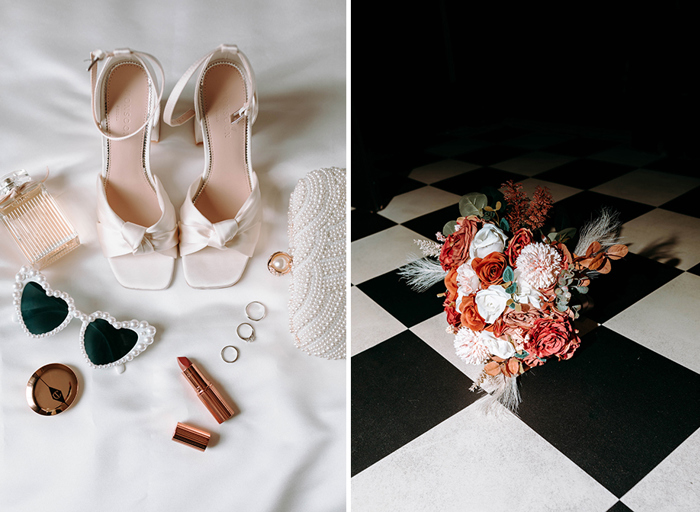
(470, 348)
(539, 264)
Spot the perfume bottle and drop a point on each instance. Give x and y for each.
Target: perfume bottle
(34, 219)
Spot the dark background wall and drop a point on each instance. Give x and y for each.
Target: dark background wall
(420, 71)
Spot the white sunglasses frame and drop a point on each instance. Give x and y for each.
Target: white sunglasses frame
(146, 332)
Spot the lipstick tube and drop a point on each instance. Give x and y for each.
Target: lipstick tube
(206, 392)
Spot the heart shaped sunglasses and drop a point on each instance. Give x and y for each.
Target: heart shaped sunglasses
(104, 341)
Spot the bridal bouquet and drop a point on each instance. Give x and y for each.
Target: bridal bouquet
(513, 289)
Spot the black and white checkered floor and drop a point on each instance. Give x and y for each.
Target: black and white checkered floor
(615, 428)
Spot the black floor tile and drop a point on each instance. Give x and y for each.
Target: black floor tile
(616, 409)
(490, 155)
(620, 507)
(454, 145)
(363, 224)
(581, 146)
(576, 210)
(388, 178)
(407, 306)
(474, 181)
(409, 184)
(584, 173)
(675, 166)
(631, 279)
(400, 389)
(433, 222)
(687, 204)
(695, 270)
(501, 134)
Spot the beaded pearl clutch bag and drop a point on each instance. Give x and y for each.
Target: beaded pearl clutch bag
(316, 262)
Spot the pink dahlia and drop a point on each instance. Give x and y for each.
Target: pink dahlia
(539, 265)
(470, 348)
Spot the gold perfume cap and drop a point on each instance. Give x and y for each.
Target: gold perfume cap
(191, 436)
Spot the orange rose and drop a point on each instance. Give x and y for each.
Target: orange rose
(521, 238)
(470, 315)
(451, 284)
(551, 337)
(490, 269)
(455, 251)
(452, 314)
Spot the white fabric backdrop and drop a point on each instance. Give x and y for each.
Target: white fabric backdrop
(112, 450)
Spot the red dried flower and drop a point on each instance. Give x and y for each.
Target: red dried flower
(524, 212)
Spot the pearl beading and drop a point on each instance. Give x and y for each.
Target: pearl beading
(317, 243)
(146, 333)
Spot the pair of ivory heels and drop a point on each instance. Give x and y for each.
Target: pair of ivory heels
(136, 222)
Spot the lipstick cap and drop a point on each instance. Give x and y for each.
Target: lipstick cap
(191, 436)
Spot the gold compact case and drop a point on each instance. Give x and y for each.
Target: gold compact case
(52, 389)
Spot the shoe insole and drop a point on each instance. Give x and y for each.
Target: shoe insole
(223, 92)
(128, 190)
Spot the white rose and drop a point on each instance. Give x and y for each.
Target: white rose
(497, 346)
(525, 292)
(487, 240)
(491, 302)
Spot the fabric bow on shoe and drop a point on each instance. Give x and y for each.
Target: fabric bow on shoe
(142, 242)
(119, 238)
(240, 234)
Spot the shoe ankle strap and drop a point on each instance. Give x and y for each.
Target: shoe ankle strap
(250, 106)
(143, 58)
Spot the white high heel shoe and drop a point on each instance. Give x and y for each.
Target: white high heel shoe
(136, 222)
(221, 217)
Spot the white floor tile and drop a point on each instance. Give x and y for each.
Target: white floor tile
(648, 187)
(441, 170)
(418, 202)
(473, 462)
(665, 236)
(370, 324)
(625, 156)
(666, 321)
(673, 485)
(381, 252)
(558, 191)
(433, 332)
(533, 163)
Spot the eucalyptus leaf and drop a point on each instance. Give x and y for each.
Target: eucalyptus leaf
(561, 307)
(494, 195)
(472, 204)
(522, 355)
(504, 225)
(508, 274)
(512, 288)
(552, 236)
(581, 289)
(449, 228)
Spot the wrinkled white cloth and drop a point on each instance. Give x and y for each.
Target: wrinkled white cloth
(112, 450)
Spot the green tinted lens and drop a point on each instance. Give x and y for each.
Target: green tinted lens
(41, 313)
(105, 344)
